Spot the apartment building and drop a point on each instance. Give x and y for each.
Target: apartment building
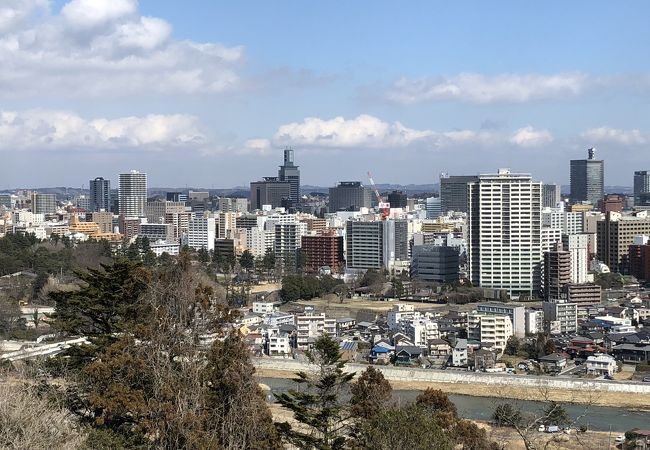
(310, 326)
(489, 329)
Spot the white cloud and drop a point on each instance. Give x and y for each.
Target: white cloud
(362, 131)
(93, 13)
(367, 131)
(530, 137)
(257, 146)
(47, 129)
(105, 47)
(482, 89)
(616, 136)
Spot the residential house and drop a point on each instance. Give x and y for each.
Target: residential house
(407, 354)
(381, 353)
(554, 362)
(459, 354)
(601, 364)
(632, 353)
(482, 360)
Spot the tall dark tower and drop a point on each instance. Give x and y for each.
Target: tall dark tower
(100, 194)
(587, 179)
(289, 172)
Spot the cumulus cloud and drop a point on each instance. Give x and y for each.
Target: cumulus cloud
(64, 130)
(483, 89)
(616, 136)
(105, 47)
(366, 131)
(362, 131)
(530, 137)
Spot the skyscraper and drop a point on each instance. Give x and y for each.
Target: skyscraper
(504, 232)
(642, 188)
(100, 194)
(43, 203)
(551, 195)
(271, 191)
(349, 196)
(453, 192)
(587, 179)
(289, 173)
(132, 193)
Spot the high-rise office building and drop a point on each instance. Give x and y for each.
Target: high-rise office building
(349, 196)
(132, 193)
(642, 188)
(615, 235)
(43, 203)
(454, 192)
(176, 197)
(587, 179)
(100, 194)
(434, 207)
(364, 244)
(397, 199)
(504, 232)
(289, 173)
(271, 192)
(437, 263)
(551, 195)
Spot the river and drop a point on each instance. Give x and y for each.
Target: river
(598, 418)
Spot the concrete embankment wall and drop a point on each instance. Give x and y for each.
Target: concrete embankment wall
(452, 376)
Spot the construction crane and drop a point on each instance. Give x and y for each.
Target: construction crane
(383, 206)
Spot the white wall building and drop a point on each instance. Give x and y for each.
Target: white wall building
(601, 364)
(132, 193)
(578, 246)
(490, 329)
(310, 327)
(422, 331)
(263, 307)
(201, 233)
(504, 232)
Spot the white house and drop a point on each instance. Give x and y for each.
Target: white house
(601, 364)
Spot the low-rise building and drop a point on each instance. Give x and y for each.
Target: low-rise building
(601, 364)
(494, 330)
(310, 327)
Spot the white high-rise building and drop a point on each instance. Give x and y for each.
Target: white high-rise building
(132, 193)
(504, 232)
(260, 240)
(568, 222)
(578, 246)
(201, 233)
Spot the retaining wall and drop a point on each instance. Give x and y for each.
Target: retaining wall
(451, 376)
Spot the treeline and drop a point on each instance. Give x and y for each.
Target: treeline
(306, 287)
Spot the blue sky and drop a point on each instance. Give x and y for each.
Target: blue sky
(207, 93)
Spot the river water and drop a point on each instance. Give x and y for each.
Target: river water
(598, 418)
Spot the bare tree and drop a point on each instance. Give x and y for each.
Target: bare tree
(29, 422)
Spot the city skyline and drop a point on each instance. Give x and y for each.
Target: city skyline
(220, 89)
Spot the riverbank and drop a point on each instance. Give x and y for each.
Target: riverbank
(627, 400)
(580, 441)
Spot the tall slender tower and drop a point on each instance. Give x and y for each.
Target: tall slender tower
(100, 194)
(289, 172)
(132, 193)
(587, 179)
